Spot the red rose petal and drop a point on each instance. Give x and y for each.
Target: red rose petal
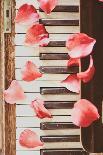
(80, 45)
(84, 113)
(73, 62)
(48, 5)
(30, 72)
(29, 139)
(37, 34)
(89, 73)
(27, 15)
(14, 93)
(41, 111)
(72, 83)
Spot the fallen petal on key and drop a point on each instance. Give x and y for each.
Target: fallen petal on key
(39, 108)
(29, 139)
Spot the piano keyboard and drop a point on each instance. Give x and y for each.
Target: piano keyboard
(59, 134)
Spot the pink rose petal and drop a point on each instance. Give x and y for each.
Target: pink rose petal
(72, 83)
(48, 5)
(80, 45)
(89, 73)
(41, 111)
(27, 15)
(30, 72)
(37, 34)
(73, 62)
(29, 139)
(84, 113)
(14, 93)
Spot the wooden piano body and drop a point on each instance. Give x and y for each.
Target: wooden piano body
(59, 134)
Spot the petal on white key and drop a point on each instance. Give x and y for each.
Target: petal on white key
(49, 132)
(19, 38)
(29, 112)
(35, 122)
(51, 29)
(20, 62)
(45, 77)
(31, 96)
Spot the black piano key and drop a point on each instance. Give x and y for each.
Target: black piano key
(54, 56)
(74, 151)
(56, 44)
(53, 90)
(59, 70)
(64, 8)
(64, 138)
(59, 22)
(59, 104)
(57, 125)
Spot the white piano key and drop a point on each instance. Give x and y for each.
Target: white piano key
(61, 15)
(32, 52)
(36, 4)
(49, 132)
(34, 86)
(51, 29)
(31, 96)
(35, 121)
(53, 145)
(20, 38)
(30, 112)
(53, 50)
(20, 62)
(27, 152)
(45, 77)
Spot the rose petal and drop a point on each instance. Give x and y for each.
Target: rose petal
(89, 73)
(48, 5)
(72, 83)
(30, 72)
(27, 15)
(73, 62)
(14, 93)
(84, 113)
(80, 45)
(29, 139)
(37, 34)
(39, 108)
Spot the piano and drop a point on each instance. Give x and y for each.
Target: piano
(59, 134)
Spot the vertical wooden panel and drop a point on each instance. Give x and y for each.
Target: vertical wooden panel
(92, 24)
(10, 114)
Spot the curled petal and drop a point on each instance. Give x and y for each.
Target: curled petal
(80, 45)
(72, 83)
(14, 93)
(37, 34)
(73, 62)
(89, 73)
(29, 139)
(84, 113)
(27, 15)
(30, 72)
(41, 111)
(48, 5)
